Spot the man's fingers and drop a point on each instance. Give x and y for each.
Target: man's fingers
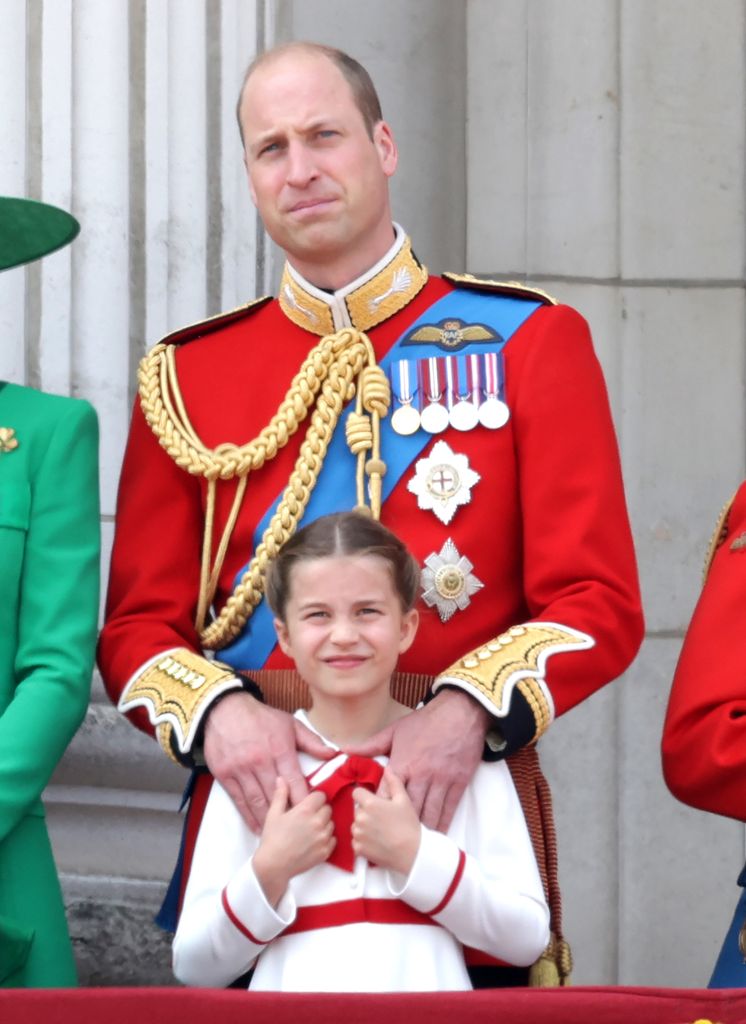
(259, 784)
(417, 790)
(310, 743)
(394, 785)
(432, 807)
(253, 820)
(288, 767)
(448, 808)
(376, 745)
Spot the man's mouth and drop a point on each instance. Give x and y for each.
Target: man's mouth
(312, 204)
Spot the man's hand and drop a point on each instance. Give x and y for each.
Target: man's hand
(435, 752)
(248, 745)
(386, 830)
(293, 840)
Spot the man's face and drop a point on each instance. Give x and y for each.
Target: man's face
(319, 181)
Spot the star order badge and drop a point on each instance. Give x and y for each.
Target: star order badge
(448, 582)
(443, 481)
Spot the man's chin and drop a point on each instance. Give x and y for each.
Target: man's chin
(317, 245)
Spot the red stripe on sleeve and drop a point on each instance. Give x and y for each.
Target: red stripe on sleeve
(238, 924)
(453, 886)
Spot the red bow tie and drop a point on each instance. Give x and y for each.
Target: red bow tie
(338, 787)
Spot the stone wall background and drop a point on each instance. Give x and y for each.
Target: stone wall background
(595, 147)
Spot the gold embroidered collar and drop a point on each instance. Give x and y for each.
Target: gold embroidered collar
(369, 300)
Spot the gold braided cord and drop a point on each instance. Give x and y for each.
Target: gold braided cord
(718, 537)
(328, 379)
(208, 582)
(167, 417)
(203, 602)
(338, 388)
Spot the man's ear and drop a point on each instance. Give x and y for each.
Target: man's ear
(388, 154)
(283, 637)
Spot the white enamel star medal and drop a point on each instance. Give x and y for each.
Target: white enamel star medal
(442, 481)
(448, 582)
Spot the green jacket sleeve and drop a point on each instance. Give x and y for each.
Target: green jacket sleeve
(57, 611)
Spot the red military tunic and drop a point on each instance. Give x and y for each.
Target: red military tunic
(545, 527)
(704, 737)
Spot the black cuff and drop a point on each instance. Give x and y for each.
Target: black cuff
(516, 730)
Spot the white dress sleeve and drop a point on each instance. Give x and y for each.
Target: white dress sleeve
(226, 920)
(481, 881)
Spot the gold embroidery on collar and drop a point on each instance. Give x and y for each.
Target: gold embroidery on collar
(378, 298)
(304, 309)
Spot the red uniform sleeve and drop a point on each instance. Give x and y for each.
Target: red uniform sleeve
(579, 566)
(704, 736)
(559, 534)
(154, 577)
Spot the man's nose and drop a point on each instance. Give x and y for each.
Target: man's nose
(301, 167)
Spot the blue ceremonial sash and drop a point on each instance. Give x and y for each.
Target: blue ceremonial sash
(730, 968)
(335, 487)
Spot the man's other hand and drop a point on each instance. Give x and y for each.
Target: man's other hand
(248, 745)
(435, 752)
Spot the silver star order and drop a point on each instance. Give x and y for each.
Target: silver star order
(448, 581)
(442, 481)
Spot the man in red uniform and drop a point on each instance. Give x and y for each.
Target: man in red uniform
(480, 432)
(704, 735)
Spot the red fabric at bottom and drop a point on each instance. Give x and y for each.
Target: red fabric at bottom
(513, 1006)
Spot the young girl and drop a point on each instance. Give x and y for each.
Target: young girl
(347, 891)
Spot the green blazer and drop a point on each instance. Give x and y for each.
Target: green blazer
(49, 582)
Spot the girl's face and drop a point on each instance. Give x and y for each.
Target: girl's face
(344, 626)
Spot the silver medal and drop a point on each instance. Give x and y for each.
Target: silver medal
(434, 418)
(464, 415)
(405, 419)
(434, 415)
(493, 413)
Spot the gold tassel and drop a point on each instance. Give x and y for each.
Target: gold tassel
(554, 966)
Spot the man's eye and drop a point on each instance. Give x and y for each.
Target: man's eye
(326, 133)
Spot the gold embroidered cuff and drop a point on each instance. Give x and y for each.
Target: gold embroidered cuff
(176, 689)
(515, 660)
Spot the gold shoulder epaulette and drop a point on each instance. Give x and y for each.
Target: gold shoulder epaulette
(718, 536)
(514, 288)
(212, 323)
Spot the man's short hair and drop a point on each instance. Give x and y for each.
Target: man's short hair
(363, 91)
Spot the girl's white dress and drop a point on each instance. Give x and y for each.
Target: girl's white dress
(476, 886)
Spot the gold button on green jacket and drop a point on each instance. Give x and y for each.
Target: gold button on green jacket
(49, 580)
